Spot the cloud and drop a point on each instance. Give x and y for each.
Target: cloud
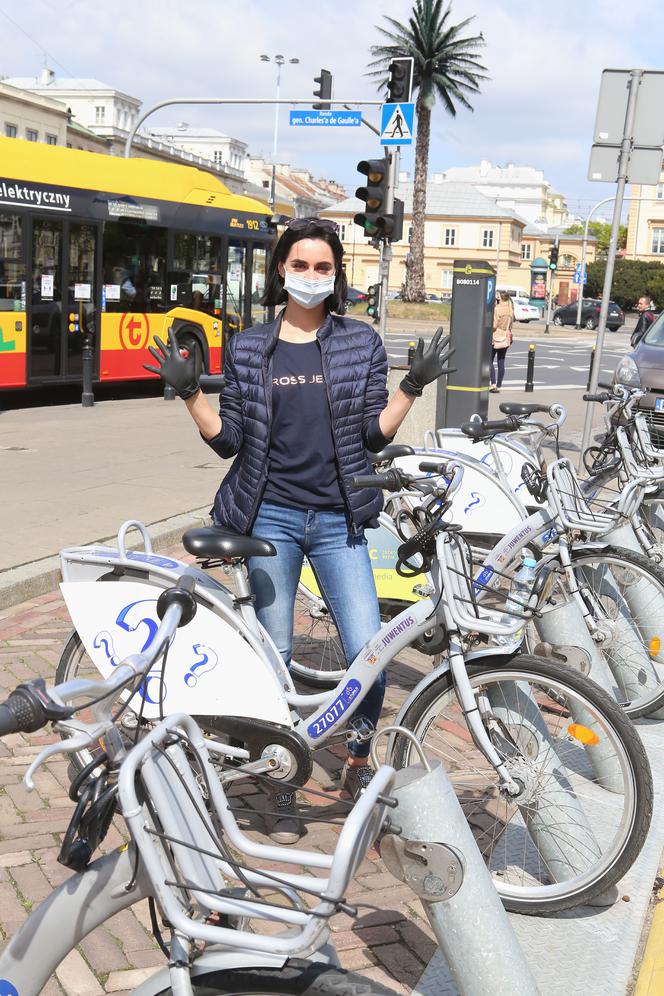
(537, 108)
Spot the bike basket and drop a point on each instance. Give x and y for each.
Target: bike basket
(570, 505)
(200, 863)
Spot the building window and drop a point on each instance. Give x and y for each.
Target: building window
(658, 241)
(660, 191)
(31, 135)
(218, 157)
(100, 114)
(342, 233)
(446, 277)
(450, 236)
(567, 261)
(10, 130)
(51, 139)
(487, 238)
(526, 250)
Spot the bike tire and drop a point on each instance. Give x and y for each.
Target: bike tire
(458, 752)
(623, 560)
(295, 978)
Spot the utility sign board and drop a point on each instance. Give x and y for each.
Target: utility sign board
(326, 119)
(396, 124)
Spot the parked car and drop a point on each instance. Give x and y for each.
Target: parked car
(433, 298)
(644, 368)
(355, 296)
(524, 311)
(590, 309)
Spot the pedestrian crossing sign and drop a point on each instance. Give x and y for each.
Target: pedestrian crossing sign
(396, 124)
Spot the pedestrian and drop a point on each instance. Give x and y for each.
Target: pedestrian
(501, 340)
(647, 316)
(305, 398)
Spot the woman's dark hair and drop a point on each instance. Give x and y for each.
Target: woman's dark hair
(296, 230)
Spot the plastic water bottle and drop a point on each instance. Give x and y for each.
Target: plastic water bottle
(517, 601)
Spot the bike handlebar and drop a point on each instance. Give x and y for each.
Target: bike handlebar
(600, 398)
(478, 430)
(30, 706)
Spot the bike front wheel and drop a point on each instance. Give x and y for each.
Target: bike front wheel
(585, 805)
(296, 978)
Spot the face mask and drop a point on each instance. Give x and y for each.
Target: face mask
(308, 293)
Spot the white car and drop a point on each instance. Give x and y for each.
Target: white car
(524, 311)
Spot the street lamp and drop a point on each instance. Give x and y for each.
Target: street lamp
(280, 61)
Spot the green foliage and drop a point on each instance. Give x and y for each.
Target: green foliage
(631, 279)
(600, 230)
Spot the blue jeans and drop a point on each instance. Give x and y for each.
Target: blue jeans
(343, 571)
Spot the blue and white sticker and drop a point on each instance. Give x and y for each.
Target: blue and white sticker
(7, 988)
(343, 700)
(483, 578)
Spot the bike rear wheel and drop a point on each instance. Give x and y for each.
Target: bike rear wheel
(597, 814)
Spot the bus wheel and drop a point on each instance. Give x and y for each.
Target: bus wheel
(189, 342)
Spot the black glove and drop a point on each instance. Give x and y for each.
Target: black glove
(427, 367)
(174, 369)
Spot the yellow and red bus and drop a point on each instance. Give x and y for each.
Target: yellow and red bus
(122, 249)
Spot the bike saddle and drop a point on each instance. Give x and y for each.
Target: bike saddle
(215, 543)
(517, 408)
(391, 452)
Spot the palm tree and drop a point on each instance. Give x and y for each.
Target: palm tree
(445, 66)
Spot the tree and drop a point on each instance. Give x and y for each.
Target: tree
(632, 278)
(445, 67)
(600, 230)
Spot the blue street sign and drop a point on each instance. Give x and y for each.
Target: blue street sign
(577, 275)
(326, 119)
(396, 124)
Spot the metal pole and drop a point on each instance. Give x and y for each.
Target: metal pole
(292, 101)
(623, 163)
(584, 249)
(273, 185)
(386, 254)
(590, 368)
(87, 356)
(552, 274)
(437, 856)
(530, 372)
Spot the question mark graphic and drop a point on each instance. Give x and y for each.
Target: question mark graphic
(207, 662)
(477, 499)
(105, 640)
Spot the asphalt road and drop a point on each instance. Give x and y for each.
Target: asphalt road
(561, 362)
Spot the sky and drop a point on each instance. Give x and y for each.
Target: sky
(537, 108)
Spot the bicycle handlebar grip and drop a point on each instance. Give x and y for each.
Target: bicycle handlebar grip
(601, 398)
(391, 480)
(212, 383)
(8, 721)
(604, 385)
(180, 594)
(436, 466)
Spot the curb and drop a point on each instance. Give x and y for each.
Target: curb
(650, 981)
(18, 584)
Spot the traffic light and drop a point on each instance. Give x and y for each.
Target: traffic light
(553, 258)
(397, 228)
(324, 90)
(400, 81)
(373, 300)
(373, 194)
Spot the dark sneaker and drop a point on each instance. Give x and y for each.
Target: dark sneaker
(355, 779)
(283, 826)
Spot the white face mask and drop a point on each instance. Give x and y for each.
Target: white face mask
(308, 293)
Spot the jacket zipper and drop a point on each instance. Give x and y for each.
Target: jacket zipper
(355, 529)
(266, 366)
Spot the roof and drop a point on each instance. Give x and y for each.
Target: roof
(57, 83)
(175, 132)
(34, 162)
(450, 199)
(534, 231)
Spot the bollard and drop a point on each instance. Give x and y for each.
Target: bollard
(169, 393)
(87, 360)
(436, 855)
(590, 368)
(411, 353)
(530, 372)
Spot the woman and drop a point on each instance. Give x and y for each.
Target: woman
(305, 398)
(503, 319)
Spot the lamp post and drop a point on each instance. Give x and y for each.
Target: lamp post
(280, 61)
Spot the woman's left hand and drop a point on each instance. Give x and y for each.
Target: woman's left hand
(428, 365)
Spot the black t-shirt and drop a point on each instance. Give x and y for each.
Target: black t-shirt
(302, 468)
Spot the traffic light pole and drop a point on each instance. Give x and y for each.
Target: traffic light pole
(386, 245)
(552, 274)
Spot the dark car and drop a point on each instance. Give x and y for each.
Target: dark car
(590, 309)
(644, 368)
(355, 296)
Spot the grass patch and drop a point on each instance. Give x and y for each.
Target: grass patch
(432, 312)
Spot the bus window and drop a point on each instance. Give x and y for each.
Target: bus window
(12, 274)
(258, 268)
(235, 290)
(134, 264)
(195, 281)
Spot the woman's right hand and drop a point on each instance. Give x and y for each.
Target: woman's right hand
(176, 370)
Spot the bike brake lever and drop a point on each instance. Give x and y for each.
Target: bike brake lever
(83, 739)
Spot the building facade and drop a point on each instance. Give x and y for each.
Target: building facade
(523, 189)
(645, 223)
(221, 151)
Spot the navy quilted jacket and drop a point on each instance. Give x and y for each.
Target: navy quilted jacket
(355, 372)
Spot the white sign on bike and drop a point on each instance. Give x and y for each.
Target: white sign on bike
(210, 669)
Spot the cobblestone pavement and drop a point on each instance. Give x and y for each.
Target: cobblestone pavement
(391, 943)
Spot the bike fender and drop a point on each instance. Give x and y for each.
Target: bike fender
(476, 655)
(211, 668)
